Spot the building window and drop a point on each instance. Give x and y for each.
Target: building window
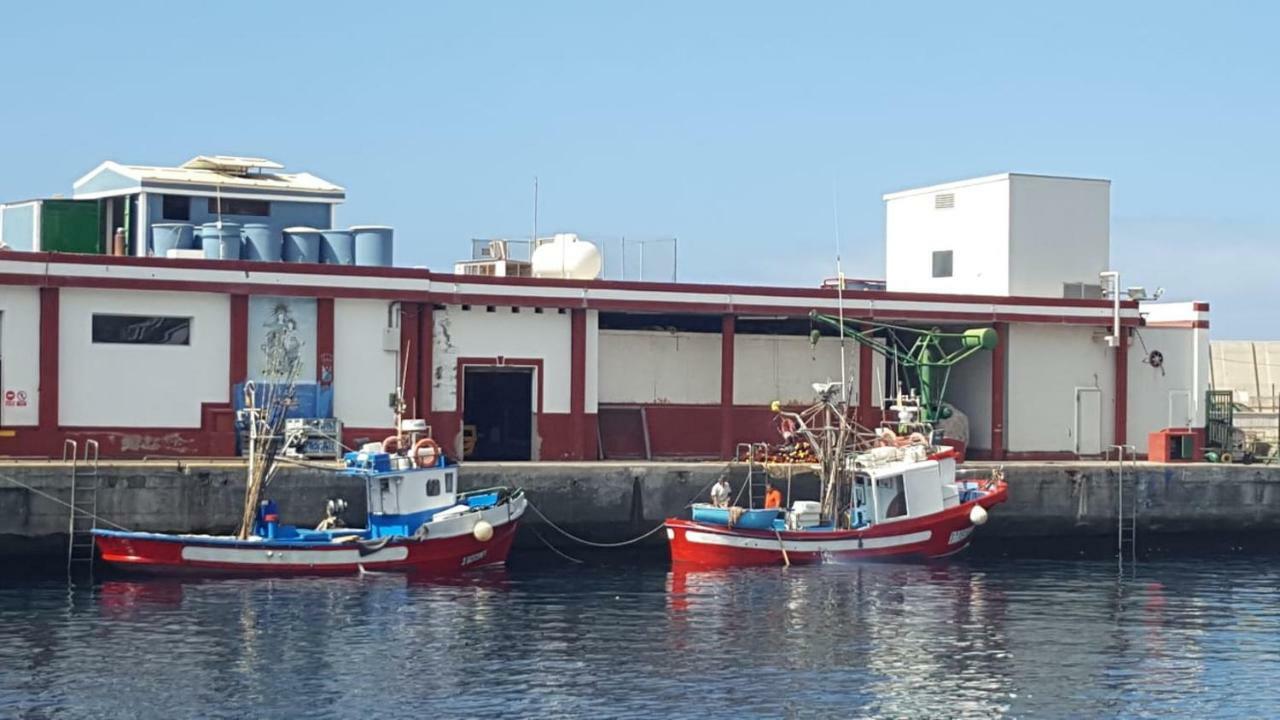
(176, 207)
(942, 263)
(237, 206)
(141, 330)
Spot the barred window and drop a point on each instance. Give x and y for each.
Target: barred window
(141, 330)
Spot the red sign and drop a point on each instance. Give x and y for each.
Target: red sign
(15, 398)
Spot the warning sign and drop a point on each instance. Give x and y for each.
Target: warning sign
(15, 398)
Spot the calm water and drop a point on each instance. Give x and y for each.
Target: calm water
(975, 638)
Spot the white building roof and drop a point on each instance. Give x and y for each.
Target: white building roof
(206, 171)
(955, 184)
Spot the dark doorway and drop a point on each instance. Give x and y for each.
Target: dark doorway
(497, 409)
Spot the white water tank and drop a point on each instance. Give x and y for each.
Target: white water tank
(566, 256)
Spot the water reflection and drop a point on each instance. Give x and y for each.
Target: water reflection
(976, 638)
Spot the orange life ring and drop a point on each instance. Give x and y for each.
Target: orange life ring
(428, 460)
(391, 444)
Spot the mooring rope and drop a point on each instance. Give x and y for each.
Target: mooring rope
(553, 548)
(46, 495)
(623, 543)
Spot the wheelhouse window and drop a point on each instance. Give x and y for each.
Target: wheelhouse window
(176, 207)
(239, 206)
(893, 494)
(448, 482)
(942, 263)
(433, 487)
(141, 330)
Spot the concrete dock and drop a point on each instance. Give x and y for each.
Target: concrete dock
(1065, 503)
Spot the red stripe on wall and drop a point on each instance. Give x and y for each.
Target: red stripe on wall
(410, 368)
(324, 340)
(239, 340)
(48, 403)
(1121, 419)
(999, 378)
(577, 383)
(727, 329)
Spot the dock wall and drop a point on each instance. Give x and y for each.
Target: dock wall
(617, 501)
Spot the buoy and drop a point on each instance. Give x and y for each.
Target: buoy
(978, 515)
(482, 531)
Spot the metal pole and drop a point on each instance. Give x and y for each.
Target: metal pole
(675, 259)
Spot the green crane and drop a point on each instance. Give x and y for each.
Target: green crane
(929, 357)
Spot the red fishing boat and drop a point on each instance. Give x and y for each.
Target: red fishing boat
(903, 504)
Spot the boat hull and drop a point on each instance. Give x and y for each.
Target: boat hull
(195, 555)
(933, 536)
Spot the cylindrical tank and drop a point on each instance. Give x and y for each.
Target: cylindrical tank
(337, 247)
(566, 257)
(301, 245)
(373, 244)
(261, 242)
(171, 236)
(221, 243)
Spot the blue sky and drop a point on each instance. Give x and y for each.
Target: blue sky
(724, 124)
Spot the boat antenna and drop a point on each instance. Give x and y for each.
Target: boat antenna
(844, 374)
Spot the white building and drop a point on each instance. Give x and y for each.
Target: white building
(529, 368)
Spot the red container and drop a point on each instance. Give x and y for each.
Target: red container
(1172, 445)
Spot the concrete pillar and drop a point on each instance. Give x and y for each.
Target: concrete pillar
(727, 328)
(578, 383)
(48, 389)
(999, 381)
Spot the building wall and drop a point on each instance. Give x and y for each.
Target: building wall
(781, 367)
(1046, 363)
(20, 351)
(141, 386)
(477, 333)
(284, 214)
(969, 390)
(976, 230)
(364, 371)
(1060, 232)
(1167, 396)
(18, 225)
(648, 367)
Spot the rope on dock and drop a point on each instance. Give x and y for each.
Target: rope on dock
(46, 495)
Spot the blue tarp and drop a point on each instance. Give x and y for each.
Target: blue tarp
(310, 400)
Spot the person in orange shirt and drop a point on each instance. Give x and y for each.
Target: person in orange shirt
(772, 496)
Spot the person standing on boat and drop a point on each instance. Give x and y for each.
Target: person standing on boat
(720, 493)
(772, 496)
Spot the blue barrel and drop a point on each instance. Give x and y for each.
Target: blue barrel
(171, 236)
(261, 242)
(221, 243)
(373, 245)
(301, 245)
(338, 247)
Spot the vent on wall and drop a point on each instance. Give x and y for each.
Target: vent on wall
(1081, 291)
(944, 201)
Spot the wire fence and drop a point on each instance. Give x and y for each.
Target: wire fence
(651, 259)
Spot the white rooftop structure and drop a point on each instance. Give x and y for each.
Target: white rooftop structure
(1007, 234)
(203, 175)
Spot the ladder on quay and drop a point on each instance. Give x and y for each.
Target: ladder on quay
(757, 473)
(83, 504)
(1126, 469)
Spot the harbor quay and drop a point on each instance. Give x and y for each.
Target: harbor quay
(1066, 504)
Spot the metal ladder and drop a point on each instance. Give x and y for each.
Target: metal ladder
(1126, 502)
(84, 504)
(755, 480)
